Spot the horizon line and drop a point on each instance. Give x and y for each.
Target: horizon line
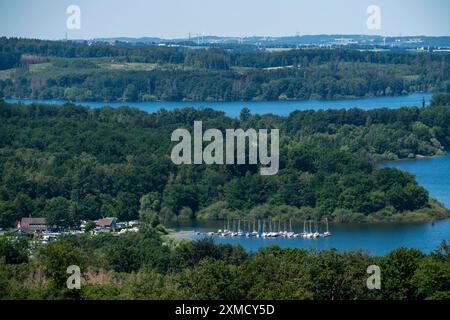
(197, 36)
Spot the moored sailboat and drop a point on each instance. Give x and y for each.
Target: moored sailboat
(326, 233)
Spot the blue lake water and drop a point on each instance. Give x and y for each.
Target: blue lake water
(282, 108)
(378, 239)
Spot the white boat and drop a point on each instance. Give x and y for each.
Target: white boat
(304, 233)
(309, 234)
(290, 234)
(274, 234)
(316, 233)
(327, 233)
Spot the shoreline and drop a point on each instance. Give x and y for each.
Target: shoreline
(343, 98)
(417, 157)
(126, 103)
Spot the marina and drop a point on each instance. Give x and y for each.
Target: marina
(262, 228)
(375, 238)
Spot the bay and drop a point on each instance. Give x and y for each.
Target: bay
(432, 173)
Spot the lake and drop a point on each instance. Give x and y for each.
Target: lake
(378, 239)
(281, 108)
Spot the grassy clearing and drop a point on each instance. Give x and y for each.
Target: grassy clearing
(131, 66)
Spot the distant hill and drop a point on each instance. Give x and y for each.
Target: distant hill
(303, 40)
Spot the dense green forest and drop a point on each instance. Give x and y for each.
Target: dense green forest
(150, 266)
(104, 72)
(70, 162)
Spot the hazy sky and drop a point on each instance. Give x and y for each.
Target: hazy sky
(176, 18)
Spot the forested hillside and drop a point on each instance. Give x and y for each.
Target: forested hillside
(100, 72)
(144, 266)
(70, 162)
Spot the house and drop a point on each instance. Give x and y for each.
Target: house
(32, 224)
(106, 223)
